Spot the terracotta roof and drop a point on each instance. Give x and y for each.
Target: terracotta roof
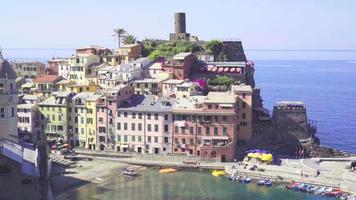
(47, 79)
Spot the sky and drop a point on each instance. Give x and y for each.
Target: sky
(260, 24)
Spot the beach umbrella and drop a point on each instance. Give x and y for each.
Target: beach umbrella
(238, 70)
(215, 69)
(210, 68)
(233, 69)
(226, 69)
(221, 69)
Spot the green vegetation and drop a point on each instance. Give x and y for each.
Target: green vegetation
(215, 47)
(129, 39)
(221, 80)
(168, 49)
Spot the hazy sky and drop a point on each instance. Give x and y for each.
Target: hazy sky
(260, 24)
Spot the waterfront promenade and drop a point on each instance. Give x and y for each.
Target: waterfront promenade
(332, 171)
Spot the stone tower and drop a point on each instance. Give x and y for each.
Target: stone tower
(179, 27)
(8, 101)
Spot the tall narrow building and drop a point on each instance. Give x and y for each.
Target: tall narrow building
(8, 101)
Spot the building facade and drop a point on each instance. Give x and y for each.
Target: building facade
(129, 52)
(143, 125)
(180, 66)
(28, 69)
(8, 101)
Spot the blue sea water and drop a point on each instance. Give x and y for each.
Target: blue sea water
(324, 79)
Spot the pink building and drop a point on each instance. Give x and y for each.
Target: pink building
(28, 122)
(205, 126)
(144, 124)
(106, 108)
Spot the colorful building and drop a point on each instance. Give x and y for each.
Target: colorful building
(244, 95)
(46, 84)
(71, 86)
(28, 123)
(106, 108)
(181, 65)
(79, 67)
(55, 112)
(205, 126)
(144, 125)
(54, 65)
(28, 69)
(83, 119)
(129, 52)
(8, 101)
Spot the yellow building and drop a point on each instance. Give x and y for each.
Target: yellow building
(129, 52)
(46, 84)
(71, 86)
(83, 119)
(79, 65)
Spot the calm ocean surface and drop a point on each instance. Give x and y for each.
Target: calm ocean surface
(187, 185)
(325, 80)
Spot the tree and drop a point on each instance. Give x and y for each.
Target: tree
(221, 80)
(129, 39)
(215, 47)
(119, 33)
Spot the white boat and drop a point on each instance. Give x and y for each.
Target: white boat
(129, 172)
(320, 190)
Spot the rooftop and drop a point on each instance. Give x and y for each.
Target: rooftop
(156, 66)
(25, 106)
(181, 56)
(140, 60)
(48, 79)
(148, 103)
(227, 64)
(241, 88)
(220, 97)
(173, 81)
(61, 93)
(129, 45)
(148, 80)
(290, 103)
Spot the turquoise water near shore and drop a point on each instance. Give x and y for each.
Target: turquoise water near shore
(182, 185)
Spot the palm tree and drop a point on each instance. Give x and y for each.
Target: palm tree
(129, 39)
(119, 32)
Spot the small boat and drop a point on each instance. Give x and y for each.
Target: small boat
(320, 190)
(299, 187)
(236, 178)
(129, 172)
(292, 185)
(167, 170)
(304, 188)
(261, 182)
(312, 189)
(268, 182)
(218, 172)
(245, 179)
(335, 193)
(99, 179)
(327, 190)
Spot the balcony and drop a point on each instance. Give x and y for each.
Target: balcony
(216, 141)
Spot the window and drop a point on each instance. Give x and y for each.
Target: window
(156, 116)
(209, 106)
(149, 139)
(118, 114)
(165, 139)
(183, 140)
(199, 130)
(148, 127)
(140, 115)
(183, 130)
(224, 118)
(133, 138)
(60, 128)
(133, 126)
(82, 131)
(244, 95)
(125, 126)
(53, 117)
(191, 130)
(140, 127)
(207, 131)
(216, 131)
(224, 130)
(156, 128)
(118, 138)
(59, 118)
(243, 115)
(101, 120)
(176, 129)
(118, 126)
(243, 123)
(156, 139)
(148, 115)
(133, 115)
(139, 138)
(166, 129)
(165, 117)
(76, 120)
(13, 111)
(82, 120)
(125, 114)
(191, 141)
(125, 138)
(243, 104)
(2, 112)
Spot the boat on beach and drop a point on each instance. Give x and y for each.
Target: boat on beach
(167, 170)
(129, 172)
(245, 179)
(265, 182)
(218, 173)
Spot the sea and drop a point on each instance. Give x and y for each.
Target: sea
(325, 80)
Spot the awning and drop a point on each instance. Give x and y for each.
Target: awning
(180, 123)
(226, 105)
(215, 138)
